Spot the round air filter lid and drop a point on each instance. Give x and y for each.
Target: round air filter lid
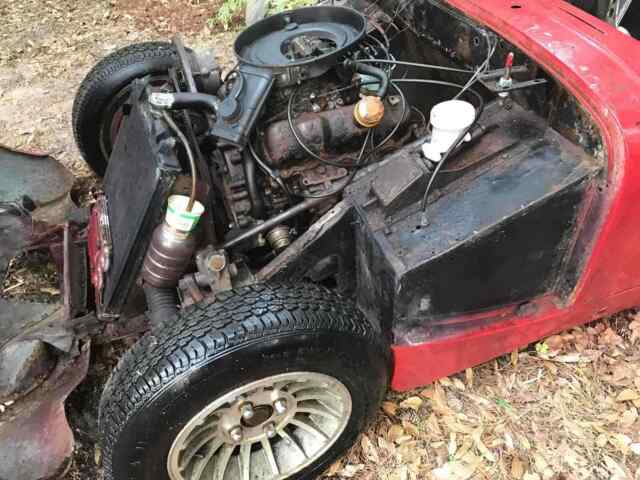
(305, 36)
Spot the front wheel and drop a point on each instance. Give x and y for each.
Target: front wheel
(269, 383)
(98, 109)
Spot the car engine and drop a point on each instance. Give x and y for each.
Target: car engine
(231, 170)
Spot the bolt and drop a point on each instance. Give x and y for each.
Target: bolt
(217, 262)
(270, 430)
(280, 406)
(236, 433)
(394, 100)
(246, 410)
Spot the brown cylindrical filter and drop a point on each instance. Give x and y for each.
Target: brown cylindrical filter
(369, 111)
(168, 256)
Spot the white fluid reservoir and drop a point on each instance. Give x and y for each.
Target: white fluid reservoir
(448, 120)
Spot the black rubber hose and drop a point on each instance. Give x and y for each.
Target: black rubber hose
(162, 303)
(374, 72)
(195, 100)
(257, 205)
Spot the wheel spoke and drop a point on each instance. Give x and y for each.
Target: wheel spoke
(312, 392)
(293, 442)
(245, 461)
(317, 411)
(308, 427)
(266, 447)
(194, 447)
(223, 461)
(327, 397)
(202, 463)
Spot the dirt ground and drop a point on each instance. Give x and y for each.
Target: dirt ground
(563, 409)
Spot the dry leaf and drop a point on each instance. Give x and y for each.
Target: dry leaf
(620, 441)
(465, 448)
(517, 468)
(508, 441)
(334, 469)
(459, 384)
(556, 342)
(50, 291)
(627, 394)
(602, 440)
(410, 428)
(439, 401)
(433, 426)
(611, 338)
(482, 448)
(452, 424)
(390, 408)
(455, 470)
(445, 382)
(617, 472)
(395, 432)
(629, 417)
(634, 326)
(453, 446)
(514, 358)
(369, 449)
(414, 403)
(351, 471)
(531, 476)
(468, 373)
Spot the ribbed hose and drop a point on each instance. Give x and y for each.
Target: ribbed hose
(162, 303)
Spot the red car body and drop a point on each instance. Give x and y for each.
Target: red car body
(600, 66)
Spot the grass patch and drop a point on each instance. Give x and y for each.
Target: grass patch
(231, 13)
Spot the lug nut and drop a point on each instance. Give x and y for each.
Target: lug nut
(246, 410)
(270, 430)
(236, 434)
(280, 406)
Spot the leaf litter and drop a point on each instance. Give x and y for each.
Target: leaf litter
(566, 408)
(563, 409)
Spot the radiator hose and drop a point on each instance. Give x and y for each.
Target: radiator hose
(162, 303)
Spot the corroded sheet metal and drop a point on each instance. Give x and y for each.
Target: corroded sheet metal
(36, 441)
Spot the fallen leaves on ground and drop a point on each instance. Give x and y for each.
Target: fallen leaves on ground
(564, 409)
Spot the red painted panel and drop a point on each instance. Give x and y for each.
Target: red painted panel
(601, 68)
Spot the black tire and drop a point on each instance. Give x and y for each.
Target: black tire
(106, 88)
(174, 372)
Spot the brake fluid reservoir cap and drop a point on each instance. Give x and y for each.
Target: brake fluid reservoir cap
(177, 215)
(448, 120)
(453, 115)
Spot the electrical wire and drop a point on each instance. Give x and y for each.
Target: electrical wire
(476, 94)
(482, 68)
(331, 162)
(192, 161)
(416, 65)
(466, 88)
(265, 168)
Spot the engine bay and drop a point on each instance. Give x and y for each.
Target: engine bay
(354, 146)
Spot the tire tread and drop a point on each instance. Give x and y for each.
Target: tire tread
(92, 93)
(204, 331)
